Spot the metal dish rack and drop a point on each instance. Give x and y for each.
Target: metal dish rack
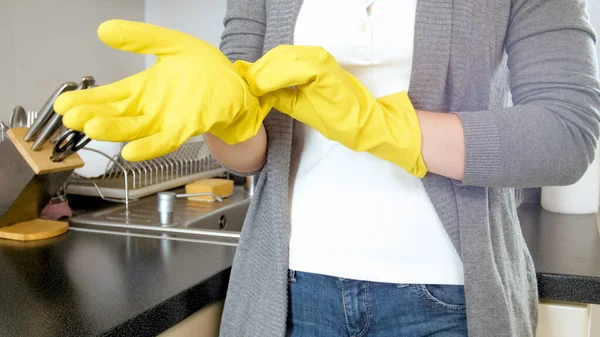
(125, 181)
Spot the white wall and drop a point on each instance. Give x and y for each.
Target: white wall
(45, 43)
(200, 18)
(8, 74)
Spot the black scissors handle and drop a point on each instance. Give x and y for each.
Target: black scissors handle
(69, 143)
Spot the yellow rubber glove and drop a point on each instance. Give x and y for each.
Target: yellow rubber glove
(191, 89)
(308, 84)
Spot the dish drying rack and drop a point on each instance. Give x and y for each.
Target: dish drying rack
(126, 181)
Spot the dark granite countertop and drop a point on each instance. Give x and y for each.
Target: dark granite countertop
(89, 284)
(83, 284)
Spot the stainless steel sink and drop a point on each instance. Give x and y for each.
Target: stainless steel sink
(227, 219)
(213, 222)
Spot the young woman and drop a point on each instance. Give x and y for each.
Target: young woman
(371, 249)
(385, 204)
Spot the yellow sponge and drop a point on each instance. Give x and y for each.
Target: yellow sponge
(220, 187)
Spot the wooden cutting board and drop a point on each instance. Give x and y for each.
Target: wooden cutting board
(36, 229)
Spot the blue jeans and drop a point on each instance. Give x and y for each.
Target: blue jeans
(325, 306)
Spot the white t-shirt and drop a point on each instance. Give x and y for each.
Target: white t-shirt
(354, 215)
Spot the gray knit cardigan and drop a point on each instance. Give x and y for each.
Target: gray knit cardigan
(522, 77)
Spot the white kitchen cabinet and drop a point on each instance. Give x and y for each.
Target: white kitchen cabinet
(558, 319)
(204, 323)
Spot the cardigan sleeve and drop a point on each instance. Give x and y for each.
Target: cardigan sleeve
(244, 30)
(243, 37)
(548, 137)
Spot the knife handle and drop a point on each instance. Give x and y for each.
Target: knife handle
(47, 132)
(46, 111)
(56, 120)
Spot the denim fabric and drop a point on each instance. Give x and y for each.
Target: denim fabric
(325, 306)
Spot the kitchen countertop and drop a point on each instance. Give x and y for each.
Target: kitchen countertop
(82, 284)
(89, 284)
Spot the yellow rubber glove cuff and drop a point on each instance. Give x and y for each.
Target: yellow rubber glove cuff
(403, 122)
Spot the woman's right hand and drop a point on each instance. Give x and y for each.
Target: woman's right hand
(192, 89)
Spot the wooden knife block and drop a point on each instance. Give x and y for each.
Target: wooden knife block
(29, 179)
(39, 161)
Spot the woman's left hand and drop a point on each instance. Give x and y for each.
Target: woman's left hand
(308, 84)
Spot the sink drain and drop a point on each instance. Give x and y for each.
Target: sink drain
(222, 221)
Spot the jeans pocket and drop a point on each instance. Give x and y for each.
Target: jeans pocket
(449, 298)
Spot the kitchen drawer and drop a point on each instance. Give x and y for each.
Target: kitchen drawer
(557, 319)
(204, 323)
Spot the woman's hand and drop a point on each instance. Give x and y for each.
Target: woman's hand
(190, 90)
(309, 85)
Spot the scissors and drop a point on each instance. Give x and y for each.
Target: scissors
(69, 143)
